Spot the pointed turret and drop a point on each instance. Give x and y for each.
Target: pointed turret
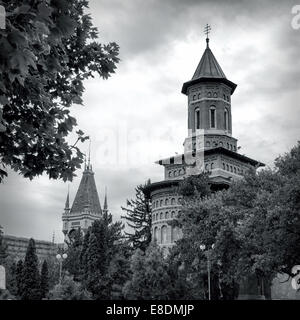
(67, 205)
(105, 206)
(86, 206)
(86, 198)
(208, 69)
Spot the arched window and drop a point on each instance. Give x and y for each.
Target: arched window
(223, 166)
(164, 234)
(156, 234)
(212, 166)
(166, 202)
(157, 216)
(199, 95)
(209, 94)
(226, 119)
(167, 215)
(227, 167)
(172, 214)
(197, 119)
(161, 215)
(212, 116)
(194, 97)
(170, 174)
(207, 143)
(161, 203)
(172, 201)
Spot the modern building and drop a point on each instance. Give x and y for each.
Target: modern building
(86, 206)
(209, 146)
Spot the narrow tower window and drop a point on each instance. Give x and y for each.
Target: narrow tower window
(197, 119)
(226, 119)
(213, 117)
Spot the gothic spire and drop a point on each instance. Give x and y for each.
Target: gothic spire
(67, 205)
(105, 206)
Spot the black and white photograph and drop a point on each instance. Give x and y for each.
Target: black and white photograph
(150, 152)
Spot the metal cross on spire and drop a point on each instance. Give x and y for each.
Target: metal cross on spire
(207, 29)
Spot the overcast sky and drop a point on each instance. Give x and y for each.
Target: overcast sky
(139, 115)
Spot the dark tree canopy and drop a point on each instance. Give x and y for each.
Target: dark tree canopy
(44, 286)
(47, 51)
(30, 275)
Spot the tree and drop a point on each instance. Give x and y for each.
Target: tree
(150, 279)
(31, 276)
(254, 225)
(11, 279)
(72, 262)
(47, 51)
(44, 286)
(69, 290)
(19, 278)
(104, 240)
(138, 217)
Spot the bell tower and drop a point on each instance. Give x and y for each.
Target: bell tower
(209, 105)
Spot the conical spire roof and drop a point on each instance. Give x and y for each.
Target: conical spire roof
(105, 206)
(208, 69)
(87, 195)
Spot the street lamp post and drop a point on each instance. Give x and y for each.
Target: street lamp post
(207, 253)
(60, 258)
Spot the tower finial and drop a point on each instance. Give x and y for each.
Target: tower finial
(89, 159)
(207, 29)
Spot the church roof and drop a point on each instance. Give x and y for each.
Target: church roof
(87, 195)
(208, 69)
(180, 158)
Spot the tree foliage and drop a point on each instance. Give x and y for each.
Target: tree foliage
(69, 290)
(138, 218)
(30, 275)
(46, 52)
(44, 286)
(254, 225)
(150, 279)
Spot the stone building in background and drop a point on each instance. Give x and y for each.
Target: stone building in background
(17, 247)
(86, 206)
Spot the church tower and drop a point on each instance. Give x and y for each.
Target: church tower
(86, 206)
(208, 147)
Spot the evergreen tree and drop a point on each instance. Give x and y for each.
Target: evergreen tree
(19, 277)
(103, 243)
(31, 276)
(44, 286)
(72, 262)
(138, 217)
(83, 256)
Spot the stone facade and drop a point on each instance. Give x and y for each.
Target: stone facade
(86, 206)
(17, 247)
